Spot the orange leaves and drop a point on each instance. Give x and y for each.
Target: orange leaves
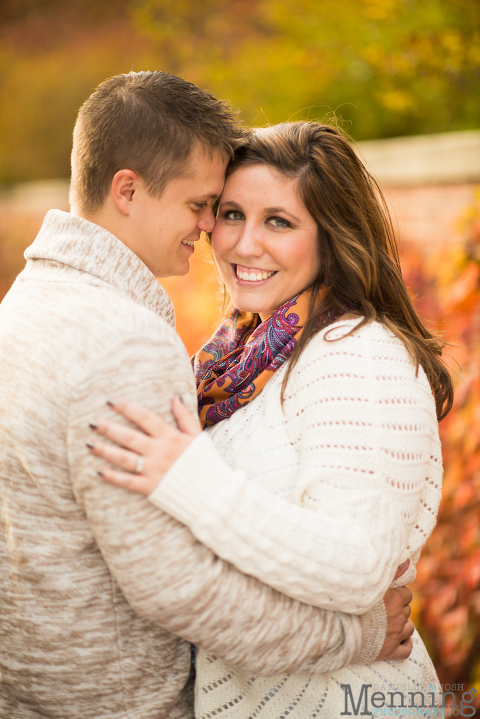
(464, 295)
(197, 298)
(448, 581)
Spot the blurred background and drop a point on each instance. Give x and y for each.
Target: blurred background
(401, 76)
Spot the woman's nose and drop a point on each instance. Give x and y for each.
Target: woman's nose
(249, 243)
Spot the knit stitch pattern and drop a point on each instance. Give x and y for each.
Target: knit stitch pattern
(100, 592)
(356, 443)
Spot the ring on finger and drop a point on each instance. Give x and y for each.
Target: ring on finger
(139, 466)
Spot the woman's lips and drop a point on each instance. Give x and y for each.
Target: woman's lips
(252, 274)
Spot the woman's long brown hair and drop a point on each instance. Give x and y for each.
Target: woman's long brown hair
(357, 248)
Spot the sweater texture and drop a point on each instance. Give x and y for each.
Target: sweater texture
(356, 443)
(100, 592)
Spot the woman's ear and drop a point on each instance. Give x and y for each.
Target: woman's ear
(125, 184)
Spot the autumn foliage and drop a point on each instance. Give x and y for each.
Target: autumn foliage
(388, 67)
(447, 292)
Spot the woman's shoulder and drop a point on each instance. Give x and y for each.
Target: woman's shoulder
(369, 351)
(354, 365)
(345, 335)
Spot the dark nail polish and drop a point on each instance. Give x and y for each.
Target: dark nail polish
(90, 445)
(99, 472)
(93, 425)
(111, 402)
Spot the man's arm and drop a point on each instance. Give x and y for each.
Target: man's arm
(165, 574)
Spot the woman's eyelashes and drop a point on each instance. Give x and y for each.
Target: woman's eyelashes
(279, 222)
(237, 216)
(234, 215)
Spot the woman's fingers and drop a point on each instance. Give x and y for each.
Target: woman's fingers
(124, 436)
(144, 418)
(115, 455)
(134, 482)
(186, 421)
(145, 456)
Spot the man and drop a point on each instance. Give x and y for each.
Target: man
(99, 589)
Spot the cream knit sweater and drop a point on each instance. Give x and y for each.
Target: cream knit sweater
(99, 590)
(356, 442)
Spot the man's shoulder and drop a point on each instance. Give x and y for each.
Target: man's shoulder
(73, 321)
(115, 323)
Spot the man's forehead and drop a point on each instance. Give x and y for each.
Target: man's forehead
(202, 156)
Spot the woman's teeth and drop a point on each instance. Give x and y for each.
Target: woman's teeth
(253, 275)
(190, 243)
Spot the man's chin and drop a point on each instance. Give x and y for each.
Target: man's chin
(179, 271)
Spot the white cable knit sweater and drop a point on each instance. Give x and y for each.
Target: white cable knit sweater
(357, 441)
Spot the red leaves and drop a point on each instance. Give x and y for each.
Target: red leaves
(448, 582)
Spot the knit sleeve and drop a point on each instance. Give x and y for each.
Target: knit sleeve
(168, 577)
(363, 423)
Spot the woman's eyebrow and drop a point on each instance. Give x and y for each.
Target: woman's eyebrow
(274, 210)
(230, 203)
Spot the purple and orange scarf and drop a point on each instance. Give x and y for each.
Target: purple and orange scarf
(238, 360)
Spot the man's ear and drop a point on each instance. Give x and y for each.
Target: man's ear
(124, 185)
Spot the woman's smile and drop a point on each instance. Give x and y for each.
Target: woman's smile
(265, 240)
(252, 274)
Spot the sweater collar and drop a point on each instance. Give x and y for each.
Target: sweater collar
(72, 241)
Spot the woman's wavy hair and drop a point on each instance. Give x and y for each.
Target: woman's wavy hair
(356, 243)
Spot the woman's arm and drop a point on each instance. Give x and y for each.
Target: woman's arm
(166, 576)
(342, 549)
(363, 424)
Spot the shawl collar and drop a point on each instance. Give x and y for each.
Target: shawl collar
(74, 242)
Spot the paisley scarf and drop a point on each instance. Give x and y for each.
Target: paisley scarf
(243, 354)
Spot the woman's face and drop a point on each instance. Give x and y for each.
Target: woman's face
(265, 240)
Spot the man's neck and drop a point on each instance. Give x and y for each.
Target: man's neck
(103, 218)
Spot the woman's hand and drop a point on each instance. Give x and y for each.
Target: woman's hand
(143, 457)
(398, 642)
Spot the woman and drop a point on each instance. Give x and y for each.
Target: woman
(322, 388)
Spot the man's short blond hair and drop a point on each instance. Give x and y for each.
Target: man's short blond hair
(147, 122)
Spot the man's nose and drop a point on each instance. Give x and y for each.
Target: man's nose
(207, 221)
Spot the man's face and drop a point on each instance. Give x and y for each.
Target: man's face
(162, 231)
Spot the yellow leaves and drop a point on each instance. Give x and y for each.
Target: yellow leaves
(397, 100)
(473, 50)
(453, 44)
(375, 55)
(380, 9)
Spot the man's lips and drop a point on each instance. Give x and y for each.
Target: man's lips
(252, 274)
